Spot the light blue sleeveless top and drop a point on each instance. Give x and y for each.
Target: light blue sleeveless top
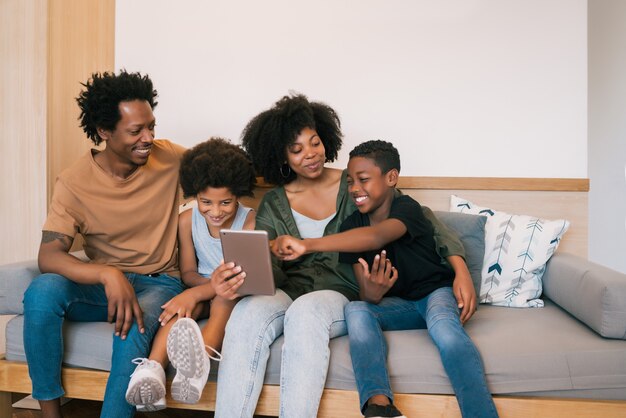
(309, 227)
(209, 249)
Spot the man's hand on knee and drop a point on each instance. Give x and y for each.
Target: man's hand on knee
(123, 304)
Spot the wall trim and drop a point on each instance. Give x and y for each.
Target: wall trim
(494, 183)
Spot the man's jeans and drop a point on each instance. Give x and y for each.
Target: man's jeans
(308, 323)
(439, 313)
(51, 298)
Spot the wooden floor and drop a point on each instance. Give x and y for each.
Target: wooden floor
(77, 408)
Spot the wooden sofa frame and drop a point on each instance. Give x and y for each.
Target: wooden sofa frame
(548, 198)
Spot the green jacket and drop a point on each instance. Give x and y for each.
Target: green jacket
(322, 271)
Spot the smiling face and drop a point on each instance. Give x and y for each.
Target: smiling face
(218, 206)
(128, 145)
(306, 155)
(371, 190)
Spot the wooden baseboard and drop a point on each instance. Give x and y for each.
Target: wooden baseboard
(90, 384)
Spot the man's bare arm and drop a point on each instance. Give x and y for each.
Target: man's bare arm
(49, 236)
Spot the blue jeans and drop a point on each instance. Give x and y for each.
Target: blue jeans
(438, 313)
(308, 324)
(51, 298)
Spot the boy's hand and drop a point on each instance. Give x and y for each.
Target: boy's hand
(377, 282)
(227, 279)
(123, 305)
(465, 294)
(181, 305)
(288, 248)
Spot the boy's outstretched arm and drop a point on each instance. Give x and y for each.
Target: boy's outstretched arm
(355, 240)
(463, 287)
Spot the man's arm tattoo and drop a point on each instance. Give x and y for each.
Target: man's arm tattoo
(49, 236)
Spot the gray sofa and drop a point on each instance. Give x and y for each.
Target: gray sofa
(574, 347)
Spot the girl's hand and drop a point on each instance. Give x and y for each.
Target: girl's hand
(181, 305)
(227, 279)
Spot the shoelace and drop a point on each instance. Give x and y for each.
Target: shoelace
(219, 356)
(139, 361)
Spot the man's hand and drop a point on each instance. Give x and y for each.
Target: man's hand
(465, 294)
(287, 247)
(123, 304)
(227, 279)
(182, 305)
(377, 282)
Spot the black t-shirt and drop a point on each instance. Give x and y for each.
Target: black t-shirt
(420, 269)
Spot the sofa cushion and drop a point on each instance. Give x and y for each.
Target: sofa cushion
(524, 350)
(517, 248)
(471, 232)
(14, 280)
(592, 293)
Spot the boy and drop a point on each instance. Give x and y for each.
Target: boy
(415, 292)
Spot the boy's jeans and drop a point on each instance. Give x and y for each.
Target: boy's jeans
(51, 298)
(439, 313)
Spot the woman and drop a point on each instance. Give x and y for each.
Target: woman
(289, 145)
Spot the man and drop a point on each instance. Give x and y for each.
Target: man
(124, 202)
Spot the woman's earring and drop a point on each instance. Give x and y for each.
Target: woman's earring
(282, 171)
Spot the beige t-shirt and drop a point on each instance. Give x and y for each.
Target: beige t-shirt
(130, 224)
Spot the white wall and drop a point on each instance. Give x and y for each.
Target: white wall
(462, 87)
(607, 133)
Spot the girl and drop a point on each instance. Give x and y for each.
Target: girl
(217, 173)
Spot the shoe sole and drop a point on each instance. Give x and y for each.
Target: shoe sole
(185, 349)
(183, 392)
(150, 408)
(145, 392)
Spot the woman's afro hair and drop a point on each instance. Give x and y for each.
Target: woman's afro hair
(99, 101)
(267, 135)
(216, 163)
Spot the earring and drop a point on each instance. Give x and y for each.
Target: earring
(282, 172)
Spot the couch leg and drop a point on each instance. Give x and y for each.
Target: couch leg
(6, 404)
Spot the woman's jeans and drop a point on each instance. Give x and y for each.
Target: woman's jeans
(439, 313)
(51, 298)
(308, 324)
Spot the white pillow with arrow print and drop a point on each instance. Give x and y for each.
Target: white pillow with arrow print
(517, 248)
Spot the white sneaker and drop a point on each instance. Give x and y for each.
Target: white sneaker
(146, 388)
(187, 353)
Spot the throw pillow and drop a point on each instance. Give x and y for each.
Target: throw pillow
(517, 248)
(471, 232)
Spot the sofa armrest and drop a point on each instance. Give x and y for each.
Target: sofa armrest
(594, 294)
(14, 280)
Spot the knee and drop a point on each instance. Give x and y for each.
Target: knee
(46, 292)
(315, 310)
(356, 309)
(450, 337)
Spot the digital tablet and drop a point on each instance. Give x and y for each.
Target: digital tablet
(251, 251)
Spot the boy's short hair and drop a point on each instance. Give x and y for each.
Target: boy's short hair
(383, 153)
(216, 163)
(99, 101)
(267, 135)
